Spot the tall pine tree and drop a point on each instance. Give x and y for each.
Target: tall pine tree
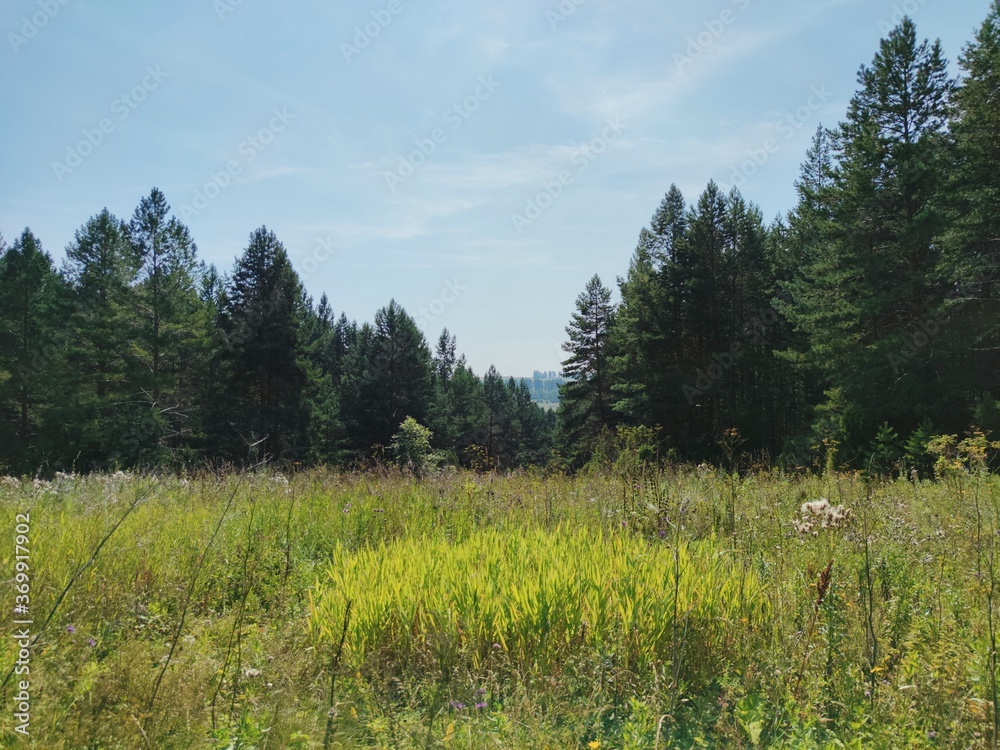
(32, 297)
(263, 356)
(585, 400)
(170, 351)
(101, 268)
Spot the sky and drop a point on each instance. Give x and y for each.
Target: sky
(476, 161)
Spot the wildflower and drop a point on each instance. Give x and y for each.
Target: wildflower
(70, 629)
(91, 642)
(457, 705)
(663, 533)
(481, 704)
(823, 513)
(251, 674)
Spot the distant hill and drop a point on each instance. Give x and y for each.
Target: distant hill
(544, 387)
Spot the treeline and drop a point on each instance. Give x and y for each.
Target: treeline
(849, 331)
(136, 354)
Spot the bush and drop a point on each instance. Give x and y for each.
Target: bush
(411, 447)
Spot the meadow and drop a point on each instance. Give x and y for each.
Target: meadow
(644, 608)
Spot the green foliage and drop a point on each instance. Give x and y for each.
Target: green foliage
(387, 377)
(626, 451)
(870, 308)
(885, 451)
(166, 356)
(585, 399)
(261, 401)
(543, 598)
(916, 451)
(411, 447)
(620, 626)
(32, 353)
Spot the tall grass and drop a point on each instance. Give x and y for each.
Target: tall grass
(537, 597)
(674, 608)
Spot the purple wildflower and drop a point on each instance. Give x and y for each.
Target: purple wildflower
(91, 642)
(481, 704)
(70, 629)
(457, 705)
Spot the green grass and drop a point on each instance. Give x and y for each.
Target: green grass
(666, 609)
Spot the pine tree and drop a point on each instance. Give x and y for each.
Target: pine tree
(585, 401)
(499, 427)
(469, 417)
(32, 295)
(534, 435)
(868, 276)
(442, 410)
(169, 348)
(971, 249)
(387, 379)
(646, 340)
(101, 268)
(265, 370)
(325, 439)
(797, 249)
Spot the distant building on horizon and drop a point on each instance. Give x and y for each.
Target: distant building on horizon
(544, 386)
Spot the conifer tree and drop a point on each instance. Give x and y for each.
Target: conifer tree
(388, 378)
(32, 297)
(169, 351)
(868, 277)
(265, 369)
(585, 403)
(971, 249)
(101, 268)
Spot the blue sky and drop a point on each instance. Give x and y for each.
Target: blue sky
(476, 161)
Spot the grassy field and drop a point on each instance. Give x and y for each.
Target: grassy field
(666, 608)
